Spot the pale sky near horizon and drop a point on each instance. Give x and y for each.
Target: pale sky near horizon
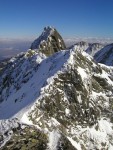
(83, 18)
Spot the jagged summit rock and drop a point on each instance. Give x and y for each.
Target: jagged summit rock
(49, 42)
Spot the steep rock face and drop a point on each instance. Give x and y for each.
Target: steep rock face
(105, 55)
(49, 42)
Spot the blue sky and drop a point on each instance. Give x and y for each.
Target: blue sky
(84, 18)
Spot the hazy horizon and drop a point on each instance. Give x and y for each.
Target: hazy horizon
(11, 46)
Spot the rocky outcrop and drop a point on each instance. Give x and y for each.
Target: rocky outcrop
(3, 64)
(49, 42)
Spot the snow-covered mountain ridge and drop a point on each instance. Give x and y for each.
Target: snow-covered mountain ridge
(90, 48)
(63, 101)
(100, 52)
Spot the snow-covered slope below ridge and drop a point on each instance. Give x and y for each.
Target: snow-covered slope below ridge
(66, 96)
(94, 48)
(105, 55)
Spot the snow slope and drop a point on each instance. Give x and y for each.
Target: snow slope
(94, 48)
(105, 55)
(29, 92)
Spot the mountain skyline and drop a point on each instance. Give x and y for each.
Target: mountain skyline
(10, 46)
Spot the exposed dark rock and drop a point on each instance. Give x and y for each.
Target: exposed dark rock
(49, 42)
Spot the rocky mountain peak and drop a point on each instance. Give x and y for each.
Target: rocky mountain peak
(48, 28)
(49, 42)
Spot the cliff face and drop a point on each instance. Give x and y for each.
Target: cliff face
(49, 42)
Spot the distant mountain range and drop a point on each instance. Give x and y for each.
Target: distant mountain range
(57, 98)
